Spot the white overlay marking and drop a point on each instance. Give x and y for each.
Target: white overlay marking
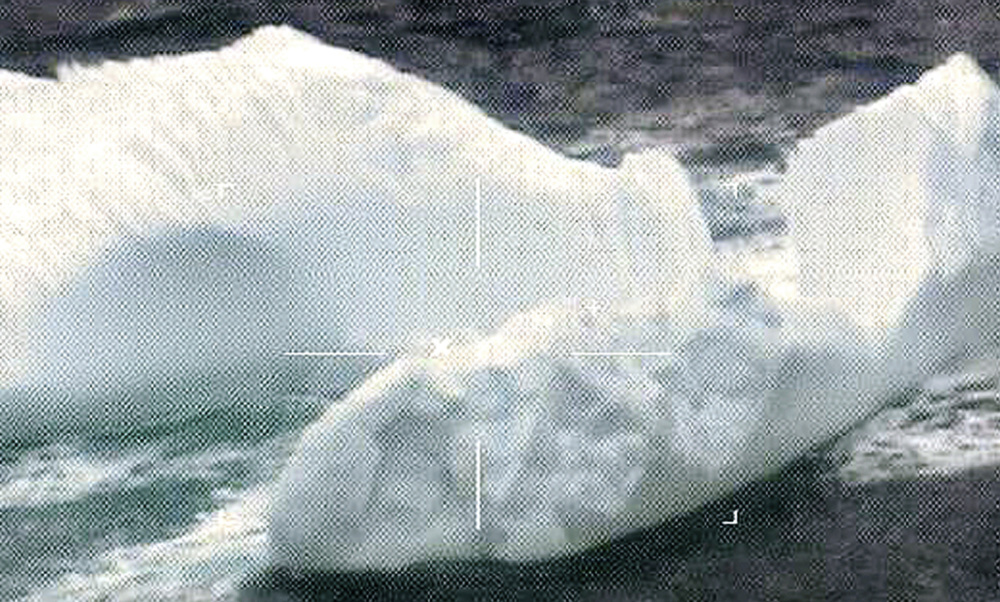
(623, 353)
(479, 224)
(479, 492)
(334, 353)
(440, 347)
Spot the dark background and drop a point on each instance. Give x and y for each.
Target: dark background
(720, 79)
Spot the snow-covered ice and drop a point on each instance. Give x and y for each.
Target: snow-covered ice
(577, 449)
(280, 194)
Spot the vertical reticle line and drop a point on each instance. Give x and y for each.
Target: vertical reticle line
(479, 225)
(479, 300)
(424, 219)
(479, 485)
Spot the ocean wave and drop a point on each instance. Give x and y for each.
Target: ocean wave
(204, 563)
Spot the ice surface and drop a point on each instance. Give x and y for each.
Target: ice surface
(14, 79)
(169, 226)
(895, 210)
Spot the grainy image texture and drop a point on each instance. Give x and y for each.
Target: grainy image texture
(556, 300)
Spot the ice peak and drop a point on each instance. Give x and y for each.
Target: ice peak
(898, 197)
(956, 97)
(962, 65)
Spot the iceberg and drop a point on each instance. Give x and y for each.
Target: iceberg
(895, 212)
(565, 429)
(170, 226)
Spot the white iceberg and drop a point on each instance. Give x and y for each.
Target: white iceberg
(895, 219)
(170, 226)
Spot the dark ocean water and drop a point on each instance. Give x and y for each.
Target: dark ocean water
(724, 81)
(801, 536)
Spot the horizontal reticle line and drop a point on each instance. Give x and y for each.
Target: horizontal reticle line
(624, 353)
(334, 353)
(381, 354)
